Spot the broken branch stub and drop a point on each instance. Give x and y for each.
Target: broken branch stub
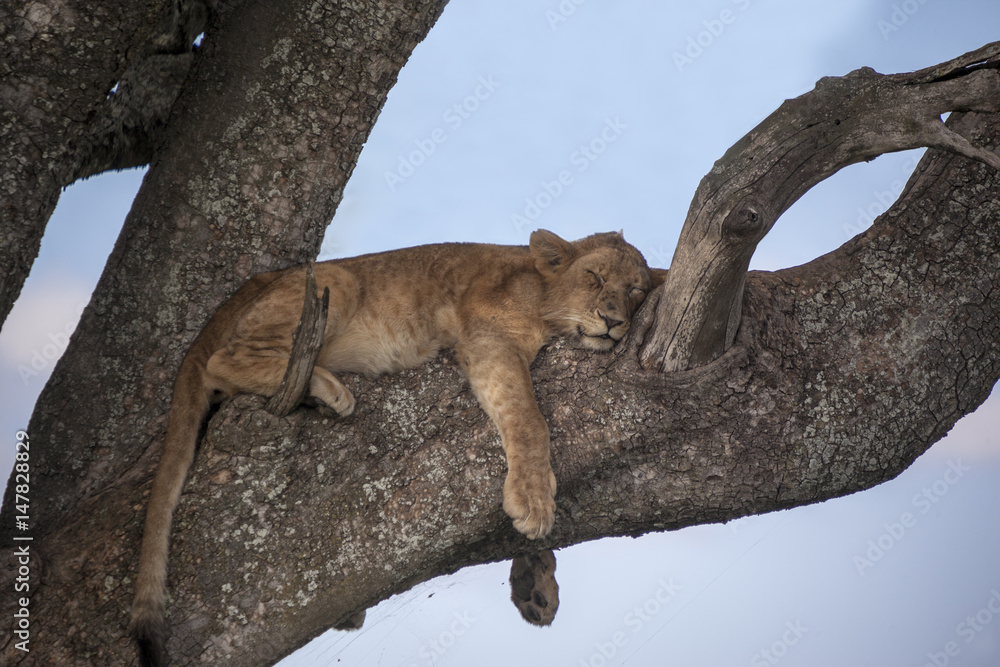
(843, 120)
(306, 343)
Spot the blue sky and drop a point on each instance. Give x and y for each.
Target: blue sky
(579, 117)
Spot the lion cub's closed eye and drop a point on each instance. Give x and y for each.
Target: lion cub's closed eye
(495, 305)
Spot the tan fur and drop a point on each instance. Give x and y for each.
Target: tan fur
(495, 305)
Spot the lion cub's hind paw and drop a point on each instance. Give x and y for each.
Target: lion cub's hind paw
(533, 587)
(344, 405)
(328, 410)
(330, 391)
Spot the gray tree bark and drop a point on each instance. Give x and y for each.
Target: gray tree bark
(84, 88)
(838, 375)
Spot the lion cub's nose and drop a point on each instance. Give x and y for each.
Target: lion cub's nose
(609, 322)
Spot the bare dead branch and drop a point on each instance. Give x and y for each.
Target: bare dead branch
(306, 343)
(842, 121)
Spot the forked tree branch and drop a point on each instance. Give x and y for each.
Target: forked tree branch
(842, 121)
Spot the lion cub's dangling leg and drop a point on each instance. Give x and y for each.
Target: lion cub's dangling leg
(498, 372)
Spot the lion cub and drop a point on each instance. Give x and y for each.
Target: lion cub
(495, 305)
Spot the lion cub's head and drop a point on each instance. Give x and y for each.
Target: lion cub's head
(593, 286)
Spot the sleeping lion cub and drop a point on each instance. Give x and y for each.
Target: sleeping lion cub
(495, 305)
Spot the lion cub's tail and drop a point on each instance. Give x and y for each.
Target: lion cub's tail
(188, 409)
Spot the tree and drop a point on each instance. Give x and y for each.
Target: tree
(831, 383)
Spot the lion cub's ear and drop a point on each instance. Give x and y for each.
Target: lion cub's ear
(552, 254)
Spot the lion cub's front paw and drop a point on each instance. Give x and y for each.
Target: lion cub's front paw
(528, 498)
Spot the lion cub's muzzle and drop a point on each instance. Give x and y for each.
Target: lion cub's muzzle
(603, 331)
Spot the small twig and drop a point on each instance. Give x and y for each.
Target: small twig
(306, 343)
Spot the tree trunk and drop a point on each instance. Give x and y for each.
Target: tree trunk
(248, 174)
(837, 374)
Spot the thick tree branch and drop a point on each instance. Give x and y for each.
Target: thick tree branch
(844, 120)
(844, 372)
(60, 62)
(128, 125)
